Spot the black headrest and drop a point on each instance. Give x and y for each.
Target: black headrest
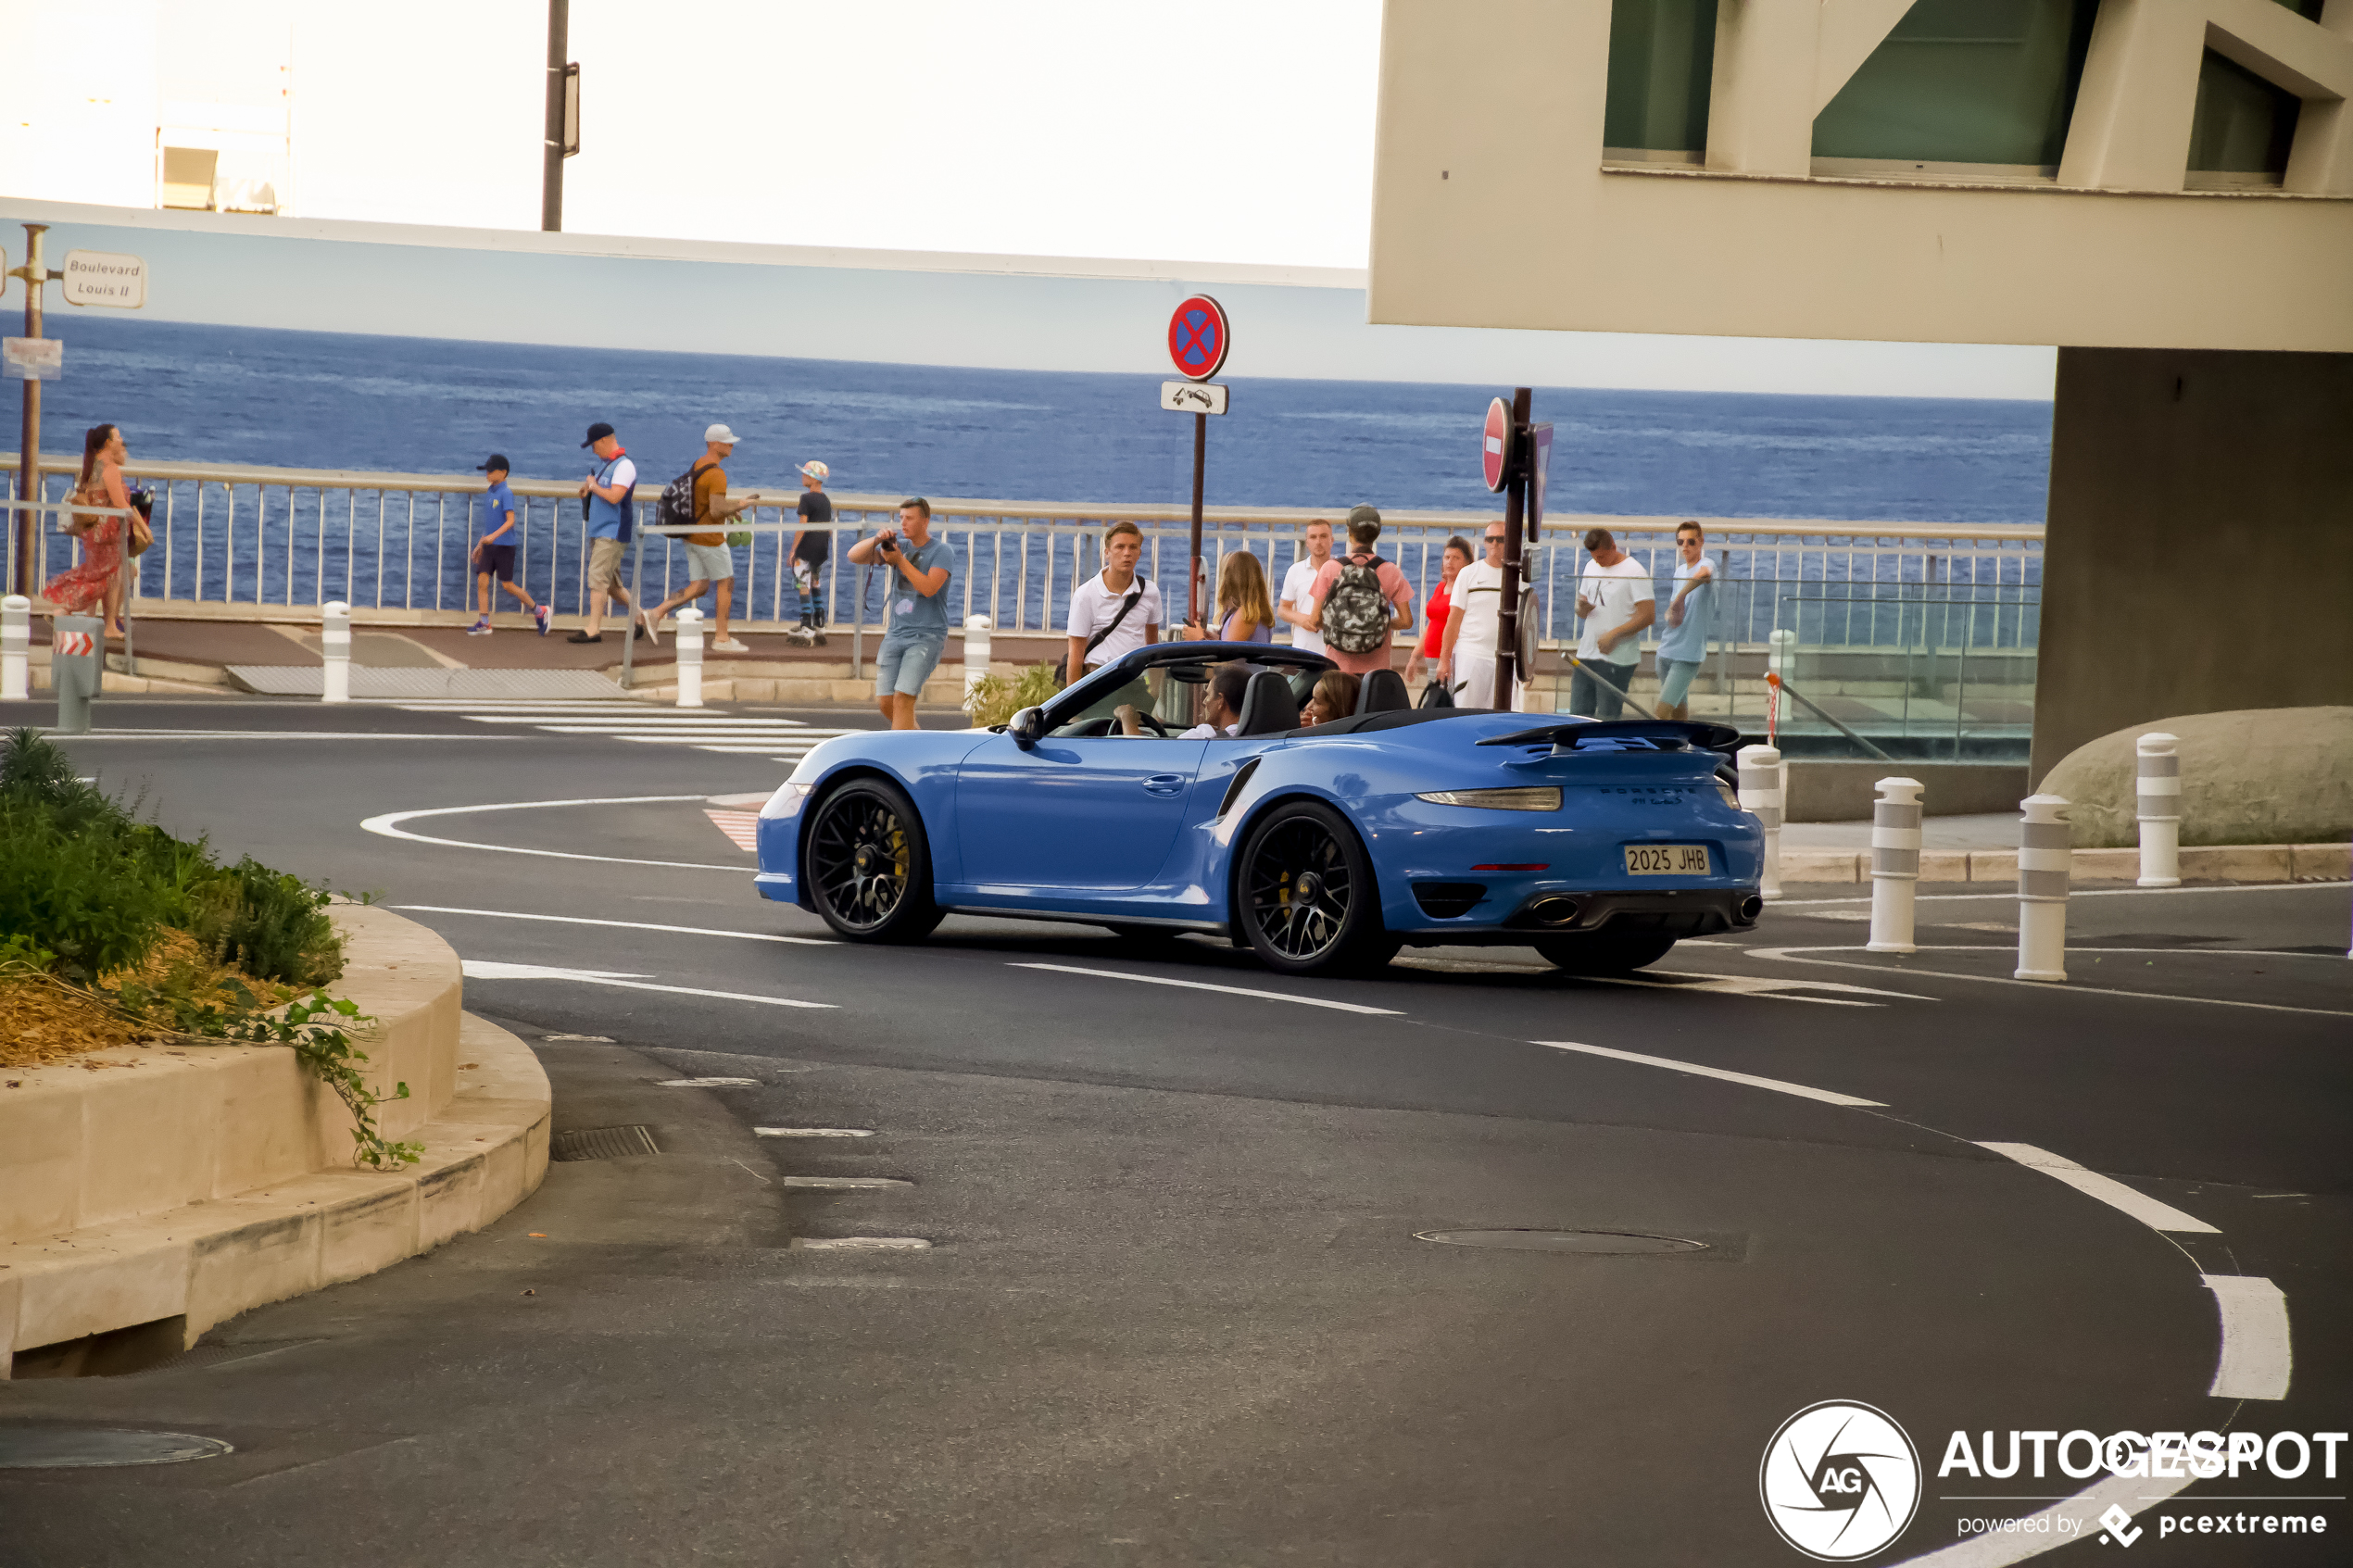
(1383, 691)
(1267, 705)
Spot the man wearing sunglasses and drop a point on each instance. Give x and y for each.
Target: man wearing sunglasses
(1474, 622)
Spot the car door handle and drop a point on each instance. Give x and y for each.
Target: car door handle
(1164, 784)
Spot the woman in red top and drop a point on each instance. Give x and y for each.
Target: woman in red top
(1458, 554)
(96, 578)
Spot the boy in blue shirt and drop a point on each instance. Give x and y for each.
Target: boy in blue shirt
(494, 557)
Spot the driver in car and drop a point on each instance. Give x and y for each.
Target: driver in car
(1221, 706)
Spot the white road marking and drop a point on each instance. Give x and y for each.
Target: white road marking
(1750, 985)
(389, 826)
(2042, 1531)
(2115, 1194)
(813, 1132)
(267, 734)
(1205, 985)
(846, 1184)
(742, 828)
(1828, 1096)
(859, 1244)
(599, 1039)
(1789, 955)
(479, 969)
(2256, 1356)
(624, 926)
(2011, 894)
(705, 1083)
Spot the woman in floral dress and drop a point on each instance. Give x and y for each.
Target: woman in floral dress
(96, 578)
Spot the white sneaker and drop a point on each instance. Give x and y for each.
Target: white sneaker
(729, 645)
(653, 627)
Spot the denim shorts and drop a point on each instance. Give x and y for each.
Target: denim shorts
(906, 660)
(709, 563)
(1674, 679)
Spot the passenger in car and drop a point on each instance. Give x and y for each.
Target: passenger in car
(1334, 697)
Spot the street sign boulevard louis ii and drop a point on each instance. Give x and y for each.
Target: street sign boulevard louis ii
(100, 277)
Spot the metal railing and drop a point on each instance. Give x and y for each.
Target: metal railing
(402, 544)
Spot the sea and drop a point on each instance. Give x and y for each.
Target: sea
(398, 402)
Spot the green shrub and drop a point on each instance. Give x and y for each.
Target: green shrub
(77, 888)
(994, 699)
(280, 930)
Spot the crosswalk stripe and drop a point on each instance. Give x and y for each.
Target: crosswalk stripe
(780, 740)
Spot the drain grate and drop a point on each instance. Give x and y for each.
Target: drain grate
(602, 1143)
(1623, 1244)
(39, 1448)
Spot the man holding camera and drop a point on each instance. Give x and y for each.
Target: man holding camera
(915, 631)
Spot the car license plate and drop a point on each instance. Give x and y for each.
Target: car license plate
(1667, 859)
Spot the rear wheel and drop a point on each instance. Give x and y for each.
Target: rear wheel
(869, 866)
(1306, 897)
(1603, 954)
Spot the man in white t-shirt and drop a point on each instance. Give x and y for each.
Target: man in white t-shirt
(1474, 624)
(1617, 601)
(1297, 610)
(1104, 626)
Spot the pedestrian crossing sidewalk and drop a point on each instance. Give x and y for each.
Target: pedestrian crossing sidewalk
(781, 740)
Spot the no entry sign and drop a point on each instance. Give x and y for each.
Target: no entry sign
(1495, 446)
(1199, 337)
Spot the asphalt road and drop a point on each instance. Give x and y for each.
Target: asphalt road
(1176, 1309)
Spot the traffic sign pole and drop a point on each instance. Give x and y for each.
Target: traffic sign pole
(28, 449)
(1199, 339)
(1515, 501)
(1192, 572)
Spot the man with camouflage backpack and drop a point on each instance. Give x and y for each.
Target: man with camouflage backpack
(1361, 601)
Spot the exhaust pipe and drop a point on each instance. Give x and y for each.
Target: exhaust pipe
(1751, 907)
(1555, 910)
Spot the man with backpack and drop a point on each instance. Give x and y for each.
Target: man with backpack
(1113, 612)
(700, 496)
(1362, 601)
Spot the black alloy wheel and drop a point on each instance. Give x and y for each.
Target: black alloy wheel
(1306, 897)
(869, 868)
(1604, 954)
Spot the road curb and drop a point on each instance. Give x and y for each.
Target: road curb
(2214, 862)
(145, 1206)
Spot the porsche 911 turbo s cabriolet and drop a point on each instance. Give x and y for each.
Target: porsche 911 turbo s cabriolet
(1322, 848)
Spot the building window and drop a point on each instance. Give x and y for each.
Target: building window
(1968, 89)
(187, 176)
(1662, 53)
(2243, 128)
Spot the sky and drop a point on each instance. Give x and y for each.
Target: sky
(1226, 133)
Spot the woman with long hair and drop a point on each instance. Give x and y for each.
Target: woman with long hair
(1334, 697)
(1245, 610)
(96, 578)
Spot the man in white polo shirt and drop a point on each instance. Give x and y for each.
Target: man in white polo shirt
(1113, 612)
(1297, 608)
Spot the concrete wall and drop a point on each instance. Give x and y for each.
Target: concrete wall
(2199, 557)
(1492, 208)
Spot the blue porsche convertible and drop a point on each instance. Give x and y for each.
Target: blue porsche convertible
(1323, 849)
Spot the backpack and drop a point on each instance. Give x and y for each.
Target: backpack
(1356, 614)
(677, 507)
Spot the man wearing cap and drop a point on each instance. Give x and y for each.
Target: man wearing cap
(810, 547)
(1363, 584)
(494, 557)
(606, 491)
(709, 560)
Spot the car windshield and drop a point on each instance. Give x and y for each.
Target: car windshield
(1168, 697)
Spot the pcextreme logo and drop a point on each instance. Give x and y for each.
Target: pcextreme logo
(1840, 1480)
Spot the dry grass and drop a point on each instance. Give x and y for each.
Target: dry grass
(45, 1020)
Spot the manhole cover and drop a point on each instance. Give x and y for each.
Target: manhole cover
(1617, 1243)
(54, 1448)
(602, 1143)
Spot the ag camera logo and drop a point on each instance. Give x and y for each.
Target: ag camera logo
(1840, 1480)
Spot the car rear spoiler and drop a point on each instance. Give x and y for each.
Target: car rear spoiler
(1668, 734)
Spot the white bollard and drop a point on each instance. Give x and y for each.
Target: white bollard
(975, 652)
(335, 652)
(1780, 652)
(1760, 792)
(16, 646)
(2046, 852)
(1895, 864)
(2160, 809)
(689, 645)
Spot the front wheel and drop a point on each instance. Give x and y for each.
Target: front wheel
(1604, 954)
(869, 867)
(1306, 896)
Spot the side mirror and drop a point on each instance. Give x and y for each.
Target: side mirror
(1029, 727)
